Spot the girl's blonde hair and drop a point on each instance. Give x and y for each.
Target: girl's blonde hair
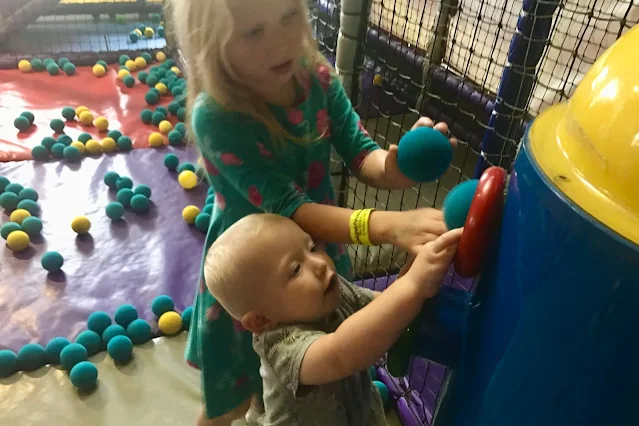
(202, 28)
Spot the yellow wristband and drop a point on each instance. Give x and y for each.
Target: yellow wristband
(352, 226)
(359, 224)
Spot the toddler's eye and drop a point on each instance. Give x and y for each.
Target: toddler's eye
(313, 248)
(254, 33)
(295, 271)
(289, 16)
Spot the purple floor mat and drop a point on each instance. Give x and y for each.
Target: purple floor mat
(128, 261)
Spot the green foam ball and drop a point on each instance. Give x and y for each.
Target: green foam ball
(72, 154)
(84, 375)
(8, 363)
(54, 347)
(32, 226)
(30, 206)
(31, 357)
(372, 372)
(73, 354)
(112, 331)
(151, 98)
(457, 203)
(103, 63)
(48, 142)
(152, 80)
(174, 107)
(175, 138)
(128, 81)
(8, 228)
(124, 182)
(114, 210)
(110, 179)
(63, 61)
(180, 127)
(383, 391)
(48, 61)
(57, 125)
(125, 143)
(171, 161)
(147, 116)
(53, 69)
(147, 57)
(208, 209)
(69, 69)
(120, 348)
(91, 341)
(29, 116)
(157, 118)
(52, 261)
(140, 204)
(65, 140)
(9, 201)
(3, 183)
(84, 137)
(57, 150)
(14, 187)
(142, 76)
(40, 153)
(181, 115)
(202, 222)
(123, 58)
(186, 166)
(37, 64)
(424, 154)
(143, 190)
(114, 134)
(162, 304)
(187, 315)
(68, 113)
(125, 314)
(134, 37)
(22, 123)
(98, 321)
(124, 196)
(139, 331)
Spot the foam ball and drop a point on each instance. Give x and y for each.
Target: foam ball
(424, 154)
(48, 61)
(31, 357)
(123, 73)
(68, 113)
(65, 140)
(180, 127)
(32, 226)
(140, 204)
(139, 331)
(138, 31)
(120, 348)
(208, 209)
(160, 56)
(79, 110)
(148, 32)
(177, 71)
(125, 143)
(189, 214)
(84, 137)
(57, 125)
(157, 118)
(187, 315)
(19, 215)
(18, 241)
(125, 314)
(111, 331)
(170, 323)
(30, 206)
(111, 179)
(143, 190)
(72, 354)
(114, 134)
(40, 153)
(3, 183)
(457, 203)
(99, 70)
(57, 150)
(162, 304)
(124, 182)
(124, 196)
(165, 127)
(171, 161)
(122, 59)
(69, 69)
(114, 210)
(161, 31)
(48, 142)
(98, 321)
(156, 140)
(151, 98)
(28, 115)
(210, 199)
(202, 222)
(372, 372)
(72, 154)
(177, 91)
(91, 341)
(128, 81)
(103, 63)
(142, 76)
(7, 228)
(37, 64)
(54, 347)
(22, 123)
(383, 391)
(101, 123)
(86, 118)
(152, 80)
(81, 225)
(84, 375)
(140, 62)
(53, 69)
(62, 61)
(130, 64)
(14, 187)
(187, 179)
(52, 261)
(147, 57)
(161, 87)
(146, 116)
(28, 194)
(9, 201)
(8, 363)
(134, 37)
(93, 147)
(181, 114)
(108, 145)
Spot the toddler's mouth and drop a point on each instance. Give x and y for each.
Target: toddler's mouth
(332, 283)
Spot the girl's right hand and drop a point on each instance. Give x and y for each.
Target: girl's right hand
(408, 230)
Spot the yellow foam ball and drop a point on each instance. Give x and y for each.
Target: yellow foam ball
(377, 80)
(170, 323)
(187, 179)
(123, 73)
(19, 215)
(148, 32)
(18, 240)
(156, 140)
(160, 56)
(86, 118)
(78, 145)
(190, 213)
(165, 126)
(177, 71)
(138, 32)
(93, 147)
(108, 144)
(79, 110)
(81, 225)
(161, 87)
(99, 70)
(101, 123)
(140, 62)
(130, 64)
(24, 66)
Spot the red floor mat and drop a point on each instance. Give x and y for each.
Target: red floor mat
(46, 95)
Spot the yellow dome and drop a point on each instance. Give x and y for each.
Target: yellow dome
(589, 146)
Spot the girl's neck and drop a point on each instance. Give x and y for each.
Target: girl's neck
(284, 95)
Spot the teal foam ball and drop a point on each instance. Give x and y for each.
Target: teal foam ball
(68, 113)
(57, 125)
(31, 357)
(155, 91)
(174, 107)
(146, 116)
(181, 115)
(187, 315)
(52, 261)
(169, 63)
(8, 363)
(98, 321)
(37, 64)
(123, 58)
(112, 331)
(3, 183)
(163, 110)
(54, 347)
(152, 79)
(29, 116)
(177, 91)
(180, 127)
(210, 199)
(160, 31)
(14, 187)
(120, 348)
(124, 197)
(424, 154)
(208, 209)
(30, 206)
(111, 179)
(128, 81)
(162, 72)
(91, 341)
(140, 26)
(32, 226)
(9, 201)
(202, 222)
(53, 69)
(140, 204)
(162, 304)
(151, 98)
(171, 161)
(22, 123)
(114, 210)
(125, 143)
(124, 182)
(372, 372)
(157, 118)
(139, 331)
(84, 375)
(175, 138)
(114, 134)
(165, 81)
(457, 203)
(134, 37)
(147, 57)
(103, 63)
(57, 150)
(142, 75)
(28, 194)
(210, 191)
(65, 140)
(48, 61)
(84, 137)
(62, 61)
(125, 314)
(48, 142)
(73, 354)
(8, 228)
(72, 154)
(383, 391)
(143, 190)
(186, 166)
(69, 69)
(40, 153)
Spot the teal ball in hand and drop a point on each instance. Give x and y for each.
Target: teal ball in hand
(140, 204)
(98, 322)
(54, 348)
(424, 154)
(139, 331)
(124, 197)
(125, 314)
(114, 210)
(383, 391)
(120, 348)
(457, 203)
(91, 341)
(8, 228)
(32, 226)
(187, 315)
(73, 354)
(84, 375)
(31, 357)
(162, 304)
(8, 363)
(52, 261)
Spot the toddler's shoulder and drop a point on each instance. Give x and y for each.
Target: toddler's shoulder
(283, 340)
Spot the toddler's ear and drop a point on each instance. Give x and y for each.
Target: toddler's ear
(256, 323)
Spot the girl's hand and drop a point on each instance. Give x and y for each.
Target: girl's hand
(408, 230)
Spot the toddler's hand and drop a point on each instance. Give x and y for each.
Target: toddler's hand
(429, 267)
